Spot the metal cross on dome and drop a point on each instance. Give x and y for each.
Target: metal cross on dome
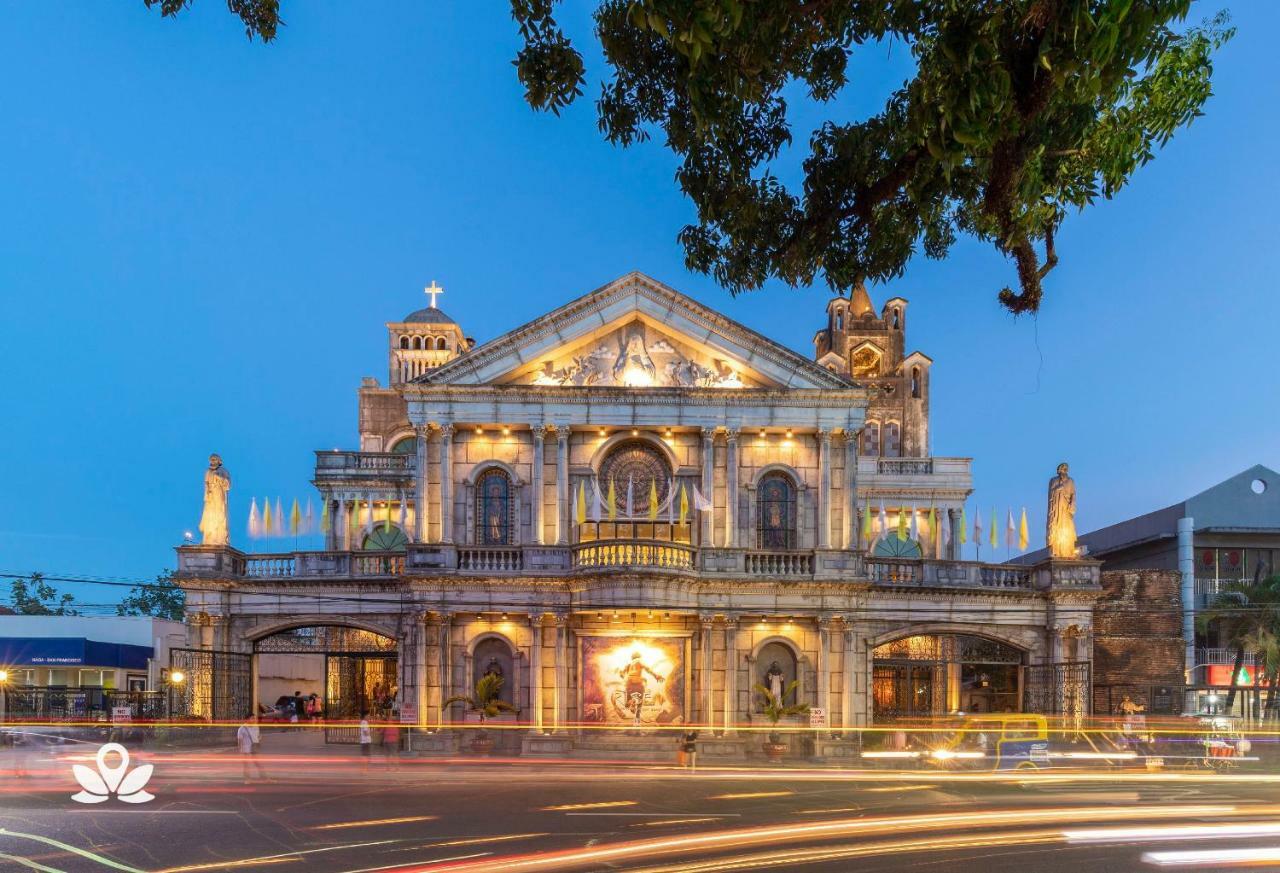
(432, 290)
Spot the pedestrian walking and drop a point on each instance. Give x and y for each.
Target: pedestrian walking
(391, 743)
(365, 736)
(248, 740)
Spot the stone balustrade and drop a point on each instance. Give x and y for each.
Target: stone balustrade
(779, 563)
(430, 559)
(365, 465)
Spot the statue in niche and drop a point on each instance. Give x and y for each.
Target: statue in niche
(493, 668)
(634, 366)
(213, 521)
(1060, 525)
(775, 680)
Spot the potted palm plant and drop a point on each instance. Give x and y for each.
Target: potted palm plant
(484, 702)
(775, 708)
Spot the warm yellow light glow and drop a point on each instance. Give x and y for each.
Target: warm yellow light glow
(371, 822)
(602, 432)
(636, 377)
(479, 429)
(749, 794)
(506, 431)
(604, 804)
(177, 677)
(4, 675)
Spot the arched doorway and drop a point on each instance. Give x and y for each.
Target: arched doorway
(925, 675)
(350, 670)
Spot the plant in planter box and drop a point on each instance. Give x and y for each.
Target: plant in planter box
(484, 702)
(775, 708)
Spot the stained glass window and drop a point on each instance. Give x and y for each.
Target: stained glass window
(776, 512)
(383, 540)
(494, 510)
(406, 446)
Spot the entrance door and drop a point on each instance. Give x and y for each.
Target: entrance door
(355, 685)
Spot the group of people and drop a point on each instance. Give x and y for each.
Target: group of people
(388, 736)
(297, 708)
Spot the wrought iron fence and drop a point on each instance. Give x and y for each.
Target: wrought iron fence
(81, 704)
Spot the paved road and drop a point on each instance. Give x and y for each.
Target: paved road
(326, 812)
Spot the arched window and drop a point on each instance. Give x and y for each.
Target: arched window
(892, 439)
(492, 656)
(897, 321)
(871, 439)
(406, 446)
(915, 381)
(495, 522)
(441, 344)
(839, 321)
(404, 342)
(776, 512)
(417, 342)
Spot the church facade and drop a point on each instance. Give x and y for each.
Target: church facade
(638, 513)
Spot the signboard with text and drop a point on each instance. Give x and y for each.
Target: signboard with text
(817, 717)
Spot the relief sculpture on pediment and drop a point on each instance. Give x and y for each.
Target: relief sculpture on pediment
(630, 358)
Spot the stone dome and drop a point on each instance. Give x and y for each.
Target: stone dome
(430, 315)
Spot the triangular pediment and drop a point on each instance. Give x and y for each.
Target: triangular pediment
(635, 332)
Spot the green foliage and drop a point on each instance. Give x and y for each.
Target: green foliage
(1018, 112)
(775, 708)
(1247, 615)
(484, 699)
(160, 599)
(35, 596)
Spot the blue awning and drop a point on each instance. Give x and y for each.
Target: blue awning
(71, 652)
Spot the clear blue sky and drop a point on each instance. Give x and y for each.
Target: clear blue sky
(202, 239)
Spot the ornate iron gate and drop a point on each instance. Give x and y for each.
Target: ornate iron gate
(356, 684)
(1057, 689)
(215, 686)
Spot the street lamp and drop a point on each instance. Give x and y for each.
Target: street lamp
(4, 681)
(176, 678)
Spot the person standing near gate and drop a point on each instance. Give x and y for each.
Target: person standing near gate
(365, 736)
(247, 741)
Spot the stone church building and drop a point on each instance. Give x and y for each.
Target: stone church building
(635, 510)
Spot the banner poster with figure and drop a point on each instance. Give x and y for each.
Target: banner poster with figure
(634, 680)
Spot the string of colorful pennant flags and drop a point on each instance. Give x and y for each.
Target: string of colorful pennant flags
(914, 525)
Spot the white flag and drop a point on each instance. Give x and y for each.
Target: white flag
(631, 479)
(671, 502)
(915, 529)
(1010, 533)
(884, 519)
(400, 517)
(597, 502)
(309, 520)
(255, 526)
(944, 529)
(278, 521)
(700, 503)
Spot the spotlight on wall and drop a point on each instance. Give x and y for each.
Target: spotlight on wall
(669, 431)
(506, 431)
(479, 429)
(599, 616)
(666, 615)
(602, 432)
(635, 432)
(504, 616)
(615, 615)
(788, 433)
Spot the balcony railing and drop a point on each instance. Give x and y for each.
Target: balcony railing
(1223, 656)
(779, 563)
(365, 465)
(633, 553)
(947, 574)
(490, 559)
(904, 466)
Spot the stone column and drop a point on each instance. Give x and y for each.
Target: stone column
(956, 551)
(341, 525)
(851, 711)
(535, 671)
(420, 502)
(535, 482)
(852, 531)
(708, 483)
(824, 668)
(562, 485)
(706, 673)
(562, 672)
(446, 664)
(731, 663)
(446, 483)
(731, 489)
(824, 489)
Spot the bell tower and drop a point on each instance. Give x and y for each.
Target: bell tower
(423, 340)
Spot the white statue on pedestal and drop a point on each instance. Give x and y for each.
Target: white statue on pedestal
(213, 521)
(1060, 525)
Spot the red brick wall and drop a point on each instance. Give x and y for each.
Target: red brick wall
(1137, 629)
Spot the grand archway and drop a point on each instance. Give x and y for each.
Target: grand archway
(926, 675)
(352, 671)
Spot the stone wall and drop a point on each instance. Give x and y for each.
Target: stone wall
(1138, 629)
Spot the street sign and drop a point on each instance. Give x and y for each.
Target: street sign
(121, 714)
(817, 717)
(408, 713)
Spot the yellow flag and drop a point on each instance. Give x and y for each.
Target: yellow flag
(995, 532)
(1022, 531)
(324, 517)
(653, 500)
(295, 518)
(868, 533)
(684, 504)
(902, 525)
(580, 510)
(613, 502)
(266, 518)
(964, 526)
(933, 525)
